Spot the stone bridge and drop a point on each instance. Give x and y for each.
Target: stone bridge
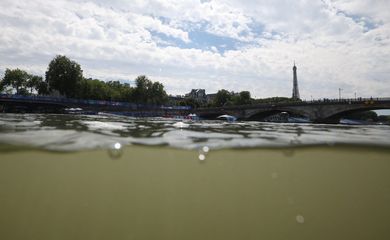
(323, 111)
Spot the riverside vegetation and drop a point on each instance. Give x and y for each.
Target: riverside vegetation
(65, 77)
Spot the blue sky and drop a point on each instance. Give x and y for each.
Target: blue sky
(232, 44)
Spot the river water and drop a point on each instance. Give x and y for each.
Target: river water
(113, 177)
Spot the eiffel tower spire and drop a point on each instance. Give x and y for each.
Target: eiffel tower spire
(295, 93)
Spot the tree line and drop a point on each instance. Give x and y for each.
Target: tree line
(230, 98)
(65, 77)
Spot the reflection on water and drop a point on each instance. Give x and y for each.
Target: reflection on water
(77, 132)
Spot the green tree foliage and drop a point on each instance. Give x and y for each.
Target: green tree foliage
(1, 85)
(143, 86)
(148, 92)
(222, 98)
(23, 91)
(245, 97)
(242, 98)
(43, 88)
(274, 100)
(20, 80)
(16, 78)
(64, 75)
(34, 82)
(226, 98)
(157, 94)
(92, 89)
(100, 90)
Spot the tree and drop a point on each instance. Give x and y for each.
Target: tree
(245, 97)
(33, 82)
(43, 88)
(16, 78)
(1, 85)
(149, 92)
(143, 84)
(241, 98)
(64, 75)
(222, 98)
(273, 100)
(93, 89)
(158, 94)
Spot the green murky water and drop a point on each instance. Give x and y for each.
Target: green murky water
(61, 177)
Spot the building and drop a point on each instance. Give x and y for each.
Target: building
(197, 94)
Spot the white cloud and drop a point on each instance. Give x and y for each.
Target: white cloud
(378, 10)
(336, 43)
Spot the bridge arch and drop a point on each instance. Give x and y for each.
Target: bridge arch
(325, 111)
(335, 115)
(257, 115)
(210, 116)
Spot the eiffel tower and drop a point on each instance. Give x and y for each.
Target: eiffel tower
(295, 93)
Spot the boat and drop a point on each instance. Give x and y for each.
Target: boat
(228, 118)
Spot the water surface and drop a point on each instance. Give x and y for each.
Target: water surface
(110, 177)
(79, 132)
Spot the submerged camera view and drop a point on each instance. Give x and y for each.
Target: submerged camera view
(194, 119)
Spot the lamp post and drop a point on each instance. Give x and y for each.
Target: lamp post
(340, 93)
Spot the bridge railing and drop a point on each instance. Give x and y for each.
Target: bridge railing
(325, 101)
(85, 102)
(346, 100)
(135, 106)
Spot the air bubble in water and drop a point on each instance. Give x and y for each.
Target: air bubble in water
(203, 151)
(300, 219)
(115, 151)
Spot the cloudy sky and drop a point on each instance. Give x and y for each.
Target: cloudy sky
(211, 44)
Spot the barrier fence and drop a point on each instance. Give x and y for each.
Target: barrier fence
(84, 102)
(137, 106)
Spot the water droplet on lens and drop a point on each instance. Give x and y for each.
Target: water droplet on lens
(115, 151)
(117, 146)
(202, 157)
(300, 219)
(274, 175)
(206, 149)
